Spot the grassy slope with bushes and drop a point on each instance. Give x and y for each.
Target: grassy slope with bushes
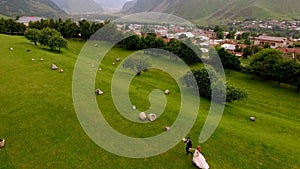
(42, 130)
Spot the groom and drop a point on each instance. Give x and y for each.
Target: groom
(188, 146)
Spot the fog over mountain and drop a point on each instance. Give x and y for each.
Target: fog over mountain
(111, 3)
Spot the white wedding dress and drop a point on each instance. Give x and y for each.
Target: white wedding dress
(199, 160)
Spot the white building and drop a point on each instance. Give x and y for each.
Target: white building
(26, 19)
(187, 34)
(228, 46)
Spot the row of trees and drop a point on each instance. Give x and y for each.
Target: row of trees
(269, 64)
(11, 27)
(186, 51)
(68, 28)
(46, 37)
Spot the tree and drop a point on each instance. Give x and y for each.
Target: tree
(219, 31)
(52, 38)
(45, 36)
(32, 35)
(84, 28)
(132, 42)
(296, 76)
(142, 44)
(35, 25)
(207, 81)
(188, 55)
(14, 28)
(150, 39)
(71, 29)
(288, 71)
(247, 41)
(228, 60)
(185, 51)
(95, 27)
(174, 46)
(230, 35)
(235, 94)
(264, 63)
(44, 23)
(245, 35)
(137, 64)
(220, 35)
(110, 34)
(159, 43)
(57, 41)
(284, 71)
(3, 28)
(250, 50)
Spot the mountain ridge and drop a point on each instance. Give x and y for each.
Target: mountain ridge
(44, 8)
(207, 10)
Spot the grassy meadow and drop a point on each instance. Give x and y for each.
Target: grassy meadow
(41, 128)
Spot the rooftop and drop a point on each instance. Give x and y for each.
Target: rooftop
(271, 38)
(26, 19)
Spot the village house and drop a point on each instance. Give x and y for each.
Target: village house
(290, 52)
(26, 19)
(274, 42)
(233, 48)
(229, 47)
(210, 34)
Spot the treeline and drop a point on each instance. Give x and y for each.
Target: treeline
(178, 48)
(46, 37)
(187, 51)
(271, 65)
(68, 28)
(11, 27)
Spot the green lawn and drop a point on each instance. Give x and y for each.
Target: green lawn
(40, 125)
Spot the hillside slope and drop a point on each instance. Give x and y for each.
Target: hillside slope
(219, 9)
(44, 8)
(79, 6)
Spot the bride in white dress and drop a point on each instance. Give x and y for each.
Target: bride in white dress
(199, 160)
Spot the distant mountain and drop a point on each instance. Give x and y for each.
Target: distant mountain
(129, 6)
(44, 8)
(111, 3)
(218, 9)
(79, 6)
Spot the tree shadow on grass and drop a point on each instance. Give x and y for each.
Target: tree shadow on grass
(51, 51)
(29, 44)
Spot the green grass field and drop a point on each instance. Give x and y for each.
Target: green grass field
(40, 125)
